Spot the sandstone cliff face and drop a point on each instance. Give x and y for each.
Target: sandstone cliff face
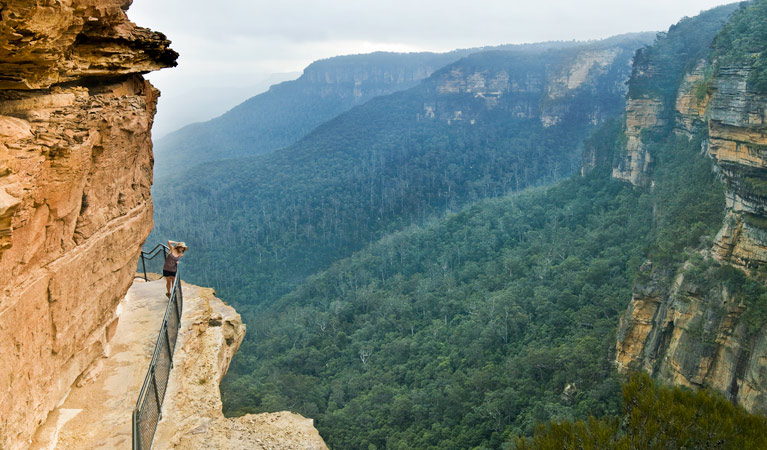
(642, 114)
(692, 100)
(678, 327)
(738, 142)
(75, 206)
(359, 83)
(546, 88)
(688, 334)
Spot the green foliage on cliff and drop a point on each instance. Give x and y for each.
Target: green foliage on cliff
(659, 68)
(742, 42)
(658, 417)
(677, 225)
(728, 285)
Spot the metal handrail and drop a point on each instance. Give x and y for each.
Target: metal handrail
(165, 342)
(151, 254)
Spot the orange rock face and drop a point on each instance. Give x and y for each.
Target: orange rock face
(75, 206)
(642, 114)
(677, 328)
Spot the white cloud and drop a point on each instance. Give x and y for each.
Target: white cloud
(232, 42)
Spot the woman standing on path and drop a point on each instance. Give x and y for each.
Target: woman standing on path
(170, 268)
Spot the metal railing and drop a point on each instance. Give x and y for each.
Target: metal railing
(148, 411)
(147, 259)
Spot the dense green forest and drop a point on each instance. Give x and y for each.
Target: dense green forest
(467, 332)
(656, 417)
(378, 168)
(742, 41)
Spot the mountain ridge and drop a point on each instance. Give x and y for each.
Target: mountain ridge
(278, 118)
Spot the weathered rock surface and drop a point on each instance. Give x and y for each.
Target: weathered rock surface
(677, 328)
(689, 335)
(738, 141)
(691, 101)
(106, 397)
(642, 114)
(48, 43)
(588, 82)
(209, 336)
(75, 206)
(192, 414)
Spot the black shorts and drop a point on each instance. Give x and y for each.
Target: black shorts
(168, 273)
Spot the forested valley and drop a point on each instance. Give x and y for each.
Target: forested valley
(412, 277)
(394, 161)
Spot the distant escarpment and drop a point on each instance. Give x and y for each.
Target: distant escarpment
(327, 88)
(75, 207)
(701, 322)
(587, 83)
(290, 110)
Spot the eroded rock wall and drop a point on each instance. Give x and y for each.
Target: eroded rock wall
(688, 333)
(738, 141)
(680, 327)
(642, 115)
(75, 177)
(588, 83)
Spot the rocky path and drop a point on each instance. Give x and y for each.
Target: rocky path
(97, 412)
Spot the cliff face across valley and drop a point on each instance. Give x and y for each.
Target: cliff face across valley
(586, 84)
(75, 206)
(702, 324)
(288, 111)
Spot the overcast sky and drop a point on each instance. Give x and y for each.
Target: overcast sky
(231, 42)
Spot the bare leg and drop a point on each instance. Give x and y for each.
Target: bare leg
(168, 283)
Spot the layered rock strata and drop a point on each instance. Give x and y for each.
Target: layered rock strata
(737, 126)
(681, 329)
(75, 206)
(692, 99)
(687, 334)
(642, 115)
(543, 89)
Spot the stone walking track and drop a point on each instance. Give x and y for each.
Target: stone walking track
(96, 414)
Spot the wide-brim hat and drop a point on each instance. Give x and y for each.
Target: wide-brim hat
(181, 245)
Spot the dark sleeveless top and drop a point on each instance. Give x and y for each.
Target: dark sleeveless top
(171, 263)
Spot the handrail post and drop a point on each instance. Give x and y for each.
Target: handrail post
(143, 265)
(136, 440)
(178, 306)
(180, 296)
(157, 395)
(167, 342)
